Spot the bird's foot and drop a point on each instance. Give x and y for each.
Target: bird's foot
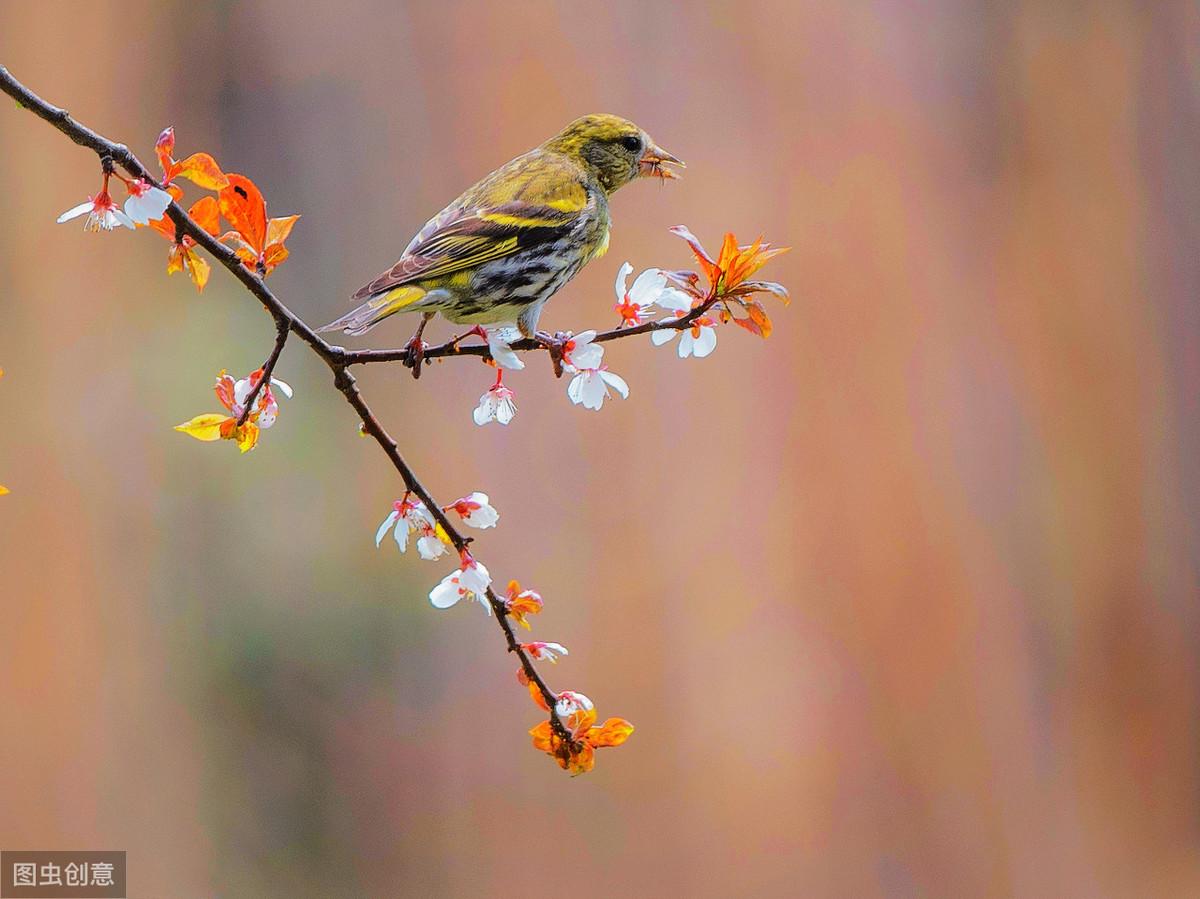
(555, 345)
(416, 355)
(477, 331)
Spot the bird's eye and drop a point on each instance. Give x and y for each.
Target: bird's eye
(631, 142)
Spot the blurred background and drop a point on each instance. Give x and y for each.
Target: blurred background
(902, 601)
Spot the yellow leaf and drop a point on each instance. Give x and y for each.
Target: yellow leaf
(3, 490)
(204, 427)
(247, 437)
(543, 737)
(198, 269)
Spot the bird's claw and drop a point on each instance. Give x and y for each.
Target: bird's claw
(477, 331)
(416, 355)
(555, 347)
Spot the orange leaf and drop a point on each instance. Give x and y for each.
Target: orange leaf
(536, 692)
(279, 229)
(750, 326)
(207, 214)
(759, 315)
(224, 390)
(613, 732)
(274, 255)
(729, 249)
(202, 170)
(580, 722)
(3, 490)
(543, 737)
(243, 206)
(582, 761)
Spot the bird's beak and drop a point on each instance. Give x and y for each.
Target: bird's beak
(652, 161)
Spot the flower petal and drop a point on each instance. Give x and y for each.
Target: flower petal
(485, 411)
(648, 287)
(446, 593)
(123, 219)
(586, 354)
(616, 382)
(505, 410)
(498, 345)
(622, 278)
(387, 525)
(705, 342)
(75, 212)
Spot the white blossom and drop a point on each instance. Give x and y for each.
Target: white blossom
(589, 387)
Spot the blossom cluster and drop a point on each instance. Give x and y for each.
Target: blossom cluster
(244, 418)
(258, 242)
(576, 738)
(691, 311)
(257, 239)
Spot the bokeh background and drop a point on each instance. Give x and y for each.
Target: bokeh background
(902, 601)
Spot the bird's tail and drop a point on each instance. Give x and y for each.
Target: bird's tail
(375, 310)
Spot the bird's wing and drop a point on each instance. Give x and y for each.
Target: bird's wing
(534, 200)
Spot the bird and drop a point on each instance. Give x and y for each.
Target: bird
(511, 241)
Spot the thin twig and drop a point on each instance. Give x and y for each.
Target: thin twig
(286, 321)
(281, 335)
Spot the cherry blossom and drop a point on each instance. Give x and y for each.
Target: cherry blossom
(570, 707)
(578, 754)
(475, 510)
(698, 340)
(498, 341)
(102, 212)
(589, 387)
(579, 352)
(470, 580)
(520, 603)
(411, 516)
(233, 395)
(268, 408)
(145, 203)
(632, 304)
(545, 652)
(496, 405)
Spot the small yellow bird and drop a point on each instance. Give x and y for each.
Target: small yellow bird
(503, 248)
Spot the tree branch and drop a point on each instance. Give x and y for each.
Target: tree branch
(525, 344)
(286, 322)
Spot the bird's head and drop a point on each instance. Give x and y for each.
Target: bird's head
(614, 149)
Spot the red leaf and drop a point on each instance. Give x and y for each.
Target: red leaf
(759, 316)
(750, 326)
